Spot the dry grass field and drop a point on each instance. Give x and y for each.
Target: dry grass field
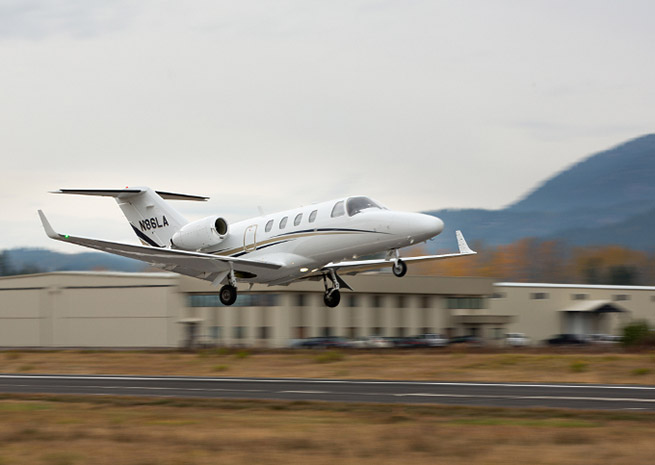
(436, 364)
(70, 430)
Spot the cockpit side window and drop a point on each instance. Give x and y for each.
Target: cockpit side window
(357, 204)
(338, 209)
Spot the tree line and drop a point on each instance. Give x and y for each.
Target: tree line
(548, 261)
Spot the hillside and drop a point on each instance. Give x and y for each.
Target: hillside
(39, 260)
(608, 198)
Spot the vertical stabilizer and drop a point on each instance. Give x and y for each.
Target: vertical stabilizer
(152, 219)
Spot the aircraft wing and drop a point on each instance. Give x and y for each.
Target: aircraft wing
(200, 265)
(358, 266)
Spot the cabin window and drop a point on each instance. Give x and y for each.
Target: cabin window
(338, 209)
(269, 226)
(357, 204)
(298, 219)
(312, 216)
(283, 222)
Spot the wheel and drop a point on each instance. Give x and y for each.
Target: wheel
(228, 294)
(399, 268)
(332, 298)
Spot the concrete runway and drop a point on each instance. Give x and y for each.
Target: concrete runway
(553, 395)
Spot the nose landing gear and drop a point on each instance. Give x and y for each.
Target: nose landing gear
(399, 268)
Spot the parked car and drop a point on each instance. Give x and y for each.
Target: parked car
(470, 340)
(434, 340)
(370, 342)
(604, 339)
(320, 343)
(408, 342)
(516, 340)
(565, 339)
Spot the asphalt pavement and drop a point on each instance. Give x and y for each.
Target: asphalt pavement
(554, 395)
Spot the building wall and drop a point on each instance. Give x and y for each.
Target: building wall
(540, 318)
(90, 310)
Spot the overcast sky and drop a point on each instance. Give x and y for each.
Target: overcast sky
(419, 104)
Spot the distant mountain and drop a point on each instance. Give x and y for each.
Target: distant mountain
(34, 260)
(620, 176)
(608, 198)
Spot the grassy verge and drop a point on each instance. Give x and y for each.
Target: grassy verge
(537, 366)
(69, 430)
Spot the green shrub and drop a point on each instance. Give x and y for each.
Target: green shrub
(637, 333)
(641, 371)
(578, 366)
(329, 357)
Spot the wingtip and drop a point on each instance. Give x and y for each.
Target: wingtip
(461, 243)
(47, 227)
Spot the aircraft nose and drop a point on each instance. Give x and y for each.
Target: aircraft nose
(432, 225)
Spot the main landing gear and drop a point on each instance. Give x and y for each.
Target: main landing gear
(228, 293)
(332, 296)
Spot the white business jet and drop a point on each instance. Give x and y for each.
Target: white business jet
(313, 242)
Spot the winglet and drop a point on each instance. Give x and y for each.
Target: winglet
(461, 243)
(46, 225)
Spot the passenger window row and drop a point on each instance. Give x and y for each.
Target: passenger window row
(297, 220)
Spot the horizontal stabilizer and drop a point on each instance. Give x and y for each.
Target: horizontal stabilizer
(129, 192)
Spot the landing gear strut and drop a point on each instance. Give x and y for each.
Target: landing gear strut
(332, 296)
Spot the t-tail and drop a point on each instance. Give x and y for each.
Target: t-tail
(153, 220)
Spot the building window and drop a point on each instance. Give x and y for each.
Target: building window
(269, 226)
(283, 222)
(312, 216)
(498, 295)
(466, 303)
(301, 300)
(264, 332)
(425, 301)
(619, 297)
(579, 296)
(498, 333)
(326, 331)
(353, 300)
(243, 300)
(539, 295)
(400, 301)
(352, 332)
(239, 332)
(215, 332)
(377, 301)
(338, 209)
(298, 219)
(376, 331)
(300, 332)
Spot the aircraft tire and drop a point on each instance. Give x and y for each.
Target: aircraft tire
(228, 294)
(399, 269)
(332, 298)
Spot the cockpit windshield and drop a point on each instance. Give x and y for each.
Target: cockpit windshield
(355, 205)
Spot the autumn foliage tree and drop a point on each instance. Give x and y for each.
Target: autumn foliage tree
(551, 261)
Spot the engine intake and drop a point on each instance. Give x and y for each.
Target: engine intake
(201, 234)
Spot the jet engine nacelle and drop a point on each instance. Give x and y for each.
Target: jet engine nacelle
(200, 234)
